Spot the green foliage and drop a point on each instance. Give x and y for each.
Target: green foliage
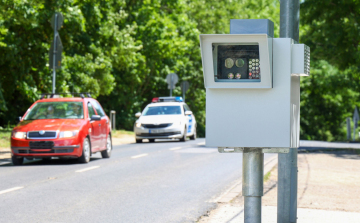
(120, 50)
(331, 92)
(332, 31)
(328, 98)
(213, 16)
(90, 35)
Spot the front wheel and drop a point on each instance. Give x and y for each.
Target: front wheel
(17, 161)
(183, 138)
(85, 156)
(138, 140)
(107, 153)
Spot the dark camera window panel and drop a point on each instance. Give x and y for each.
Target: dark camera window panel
(237, 62)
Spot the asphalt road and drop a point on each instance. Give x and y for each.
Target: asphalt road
(166, 181)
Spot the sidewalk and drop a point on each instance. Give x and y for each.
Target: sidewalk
(328, 191)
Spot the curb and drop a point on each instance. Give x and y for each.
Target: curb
(236, 189)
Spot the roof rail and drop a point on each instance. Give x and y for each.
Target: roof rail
(51, 95)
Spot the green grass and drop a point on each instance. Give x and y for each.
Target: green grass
(5, 138)
(121, 133)
(267, 176)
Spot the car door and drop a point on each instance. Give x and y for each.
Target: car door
(95, 134)
(104, 123)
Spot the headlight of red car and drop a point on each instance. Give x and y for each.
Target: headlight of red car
(19, 135)
(68, 134)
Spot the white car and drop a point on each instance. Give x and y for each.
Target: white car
(165, 118)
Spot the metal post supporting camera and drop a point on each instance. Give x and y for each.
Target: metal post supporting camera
(252, 183)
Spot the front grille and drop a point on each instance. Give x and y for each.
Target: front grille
(152, 126)
(37, 152)
(41, 145)
(159, 134)
(46, 135)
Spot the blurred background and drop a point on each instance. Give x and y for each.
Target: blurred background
(122, 50)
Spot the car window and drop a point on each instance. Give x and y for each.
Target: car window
(56, 110)
(187, 107)
(90, 110)
(99, 109)
(162, 110)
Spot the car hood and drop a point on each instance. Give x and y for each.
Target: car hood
(159, 119)
(50, 125)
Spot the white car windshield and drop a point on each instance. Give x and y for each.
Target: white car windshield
(56, 110)
(162, 110)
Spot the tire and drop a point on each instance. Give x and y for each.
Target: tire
(151, 140)
(107, 153)
(183, 138)
(86, 148)
(138, 140)
(193, 137)
(17, 161)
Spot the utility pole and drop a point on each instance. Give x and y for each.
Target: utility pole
(56, 47)
(287, 162)
(184, 87)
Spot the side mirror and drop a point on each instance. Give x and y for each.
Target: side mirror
(95, 118)
(19, 118)
(188, 113)
(137, 115)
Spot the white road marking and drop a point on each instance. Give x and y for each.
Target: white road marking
(138, 156)
(86, 169)
(4, 163)
(11, 189)
(175, 148)
(201, 144)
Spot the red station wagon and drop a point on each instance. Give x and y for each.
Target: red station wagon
(62, 127)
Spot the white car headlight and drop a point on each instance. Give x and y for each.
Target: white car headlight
(19, 135)
(68, 134)
(138, 124)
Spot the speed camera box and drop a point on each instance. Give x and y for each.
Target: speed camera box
(252, 100)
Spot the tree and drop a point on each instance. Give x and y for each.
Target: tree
(90, 37)
(331, 92)
(331, 29)
(326, 102)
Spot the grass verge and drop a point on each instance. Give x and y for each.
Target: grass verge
(121, 133)
(5, 138)
(6, 134)
(268, 174)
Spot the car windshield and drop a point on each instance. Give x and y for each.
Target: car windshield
(56, 110)
(162, 110)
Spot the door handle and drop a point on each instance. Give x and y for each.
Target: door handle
(99, 124)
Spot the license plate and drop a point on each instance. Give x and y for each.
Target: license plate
(156, 131)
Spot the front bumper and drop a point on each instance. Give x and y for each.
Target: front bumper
(158, 133)
(46, 148)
